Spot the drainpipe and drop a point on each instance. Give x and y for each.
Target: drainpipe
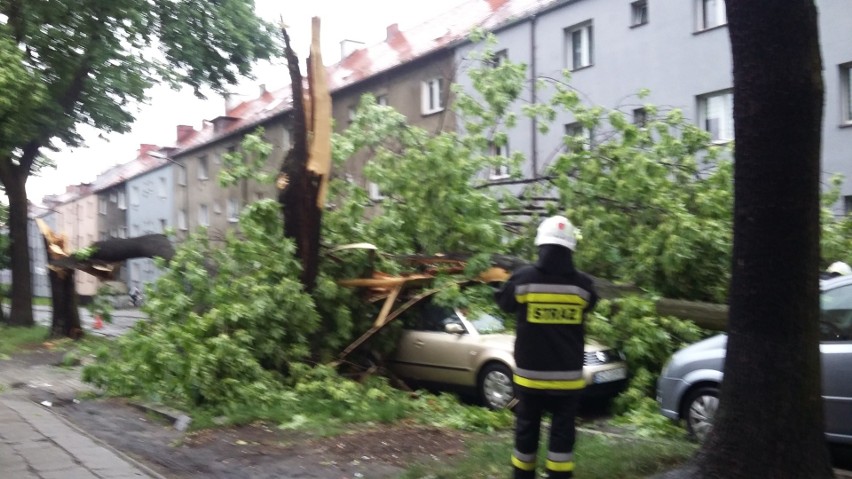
(534, 96)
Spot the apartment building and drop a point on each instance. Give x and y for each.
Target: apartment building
(75, 215)
(676, 49)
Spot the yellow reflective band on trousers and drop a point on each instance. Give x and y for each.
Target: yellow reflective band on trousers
(522, 465)
(550, 384)
(566, 466)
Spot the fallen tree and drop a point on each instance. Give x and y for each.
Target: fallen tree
(102, 260)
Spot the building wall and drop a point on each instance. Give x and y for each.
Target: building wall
(202, 192)
(38, 261)
(77, 220)
(149, 212)
(403, 89)
(667, 55)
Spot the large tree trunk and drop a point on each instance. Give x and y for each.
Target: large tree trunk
(299, 187)
(770, 422)
(22, 286)
(66, 315)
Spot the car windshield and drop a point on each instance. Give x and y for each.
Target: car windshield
(487, 324)
(836, 314)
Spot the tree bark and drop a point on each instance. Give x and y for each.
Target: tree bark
(770, 422)
(66, 314)
(299, 188)
(21, 313)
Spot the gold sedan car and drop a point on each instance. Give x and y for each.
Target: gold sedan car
(442, 347)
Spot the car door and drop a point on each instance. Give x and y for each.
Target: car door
(427, 352)
(836, 349)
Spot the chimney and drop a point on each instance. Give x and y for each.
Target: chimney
(262, 88)
(393, 30)
(348, 47)
(146, 148)
(184, 131)
(496, 4)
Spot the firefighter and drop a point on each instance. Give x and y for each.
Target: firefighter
(550, 301)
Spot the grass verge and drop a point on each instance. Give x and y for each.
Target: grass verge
(14, 339)
(597, 456)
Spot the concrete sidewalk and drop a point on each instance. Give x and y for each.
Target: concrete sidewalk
(35, 443)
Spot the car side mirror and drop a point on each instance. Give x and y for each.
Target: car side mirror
(454, 328)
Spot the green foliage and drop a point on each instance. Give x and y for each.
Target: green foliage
(836, 238)
(647, 339)
(248, 165)
(226, 324)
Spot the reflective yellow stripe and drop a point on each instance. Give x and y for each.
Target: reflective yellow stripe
(551, 298)
(524, 466)
(544, 384)
(559, 466)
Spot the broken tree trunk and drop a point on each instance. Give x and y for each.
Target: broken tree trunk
(103, 262)
(303, 177)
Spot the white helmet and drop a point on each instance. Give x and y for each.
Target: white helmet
(839, 268)
(556, 230)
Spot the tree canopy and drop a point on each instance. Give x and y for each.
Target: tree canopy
(70, 63)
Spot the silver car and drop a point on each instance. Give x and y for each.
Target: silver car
(446, 349)
(688, 387)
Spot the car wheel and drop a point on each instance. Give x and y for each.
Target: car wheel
(495, 386)
(700, 410)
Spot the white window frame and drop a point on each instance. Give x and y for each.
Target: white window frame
(717, 107)
(233, 210)
(846, 93)
(203, 215)
(122, 200)
(181, 175)
(639, 14)
(710, 14)
(134, 196)
(163, 187)
(122, 232)
(102, 205)
(351, 113)
(181, 220)
(577, 129)
(499, 172)
(432, 96)
(113, 197)
(375, 193)
(217, 208)
(579, 46)
(203, 168)
(382, 100)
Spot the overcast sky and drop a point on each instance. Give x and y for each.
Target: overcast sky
(361, 20)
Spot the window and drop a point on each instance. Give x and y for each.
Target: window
(499, 172)
(499, 58)
(640, 117)
(102, 205)
(579, 46)
(233, 210)
(217, 208)
(202, 168)
(382, 100)
(203, 215)
(716, 114)
(846, 92)
(162, 225)
(577, 137)
(258, 196)
(352, 112)
(122, 232)
(181, 220)
(122, 201)
(638, 13)
(163, 187)
(432, 96)
(710, 14)
(181, 175)
(134, 196)
(375, 193)
(112, 197)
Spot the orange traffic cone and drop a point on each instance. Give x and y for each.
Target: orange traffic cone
(99, 324)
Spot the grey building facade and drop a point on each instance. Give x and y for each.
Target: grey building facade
(676, 49)
(150, 211)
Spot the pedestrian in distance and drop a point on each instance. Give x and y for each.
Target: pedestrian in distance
(550, 300)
